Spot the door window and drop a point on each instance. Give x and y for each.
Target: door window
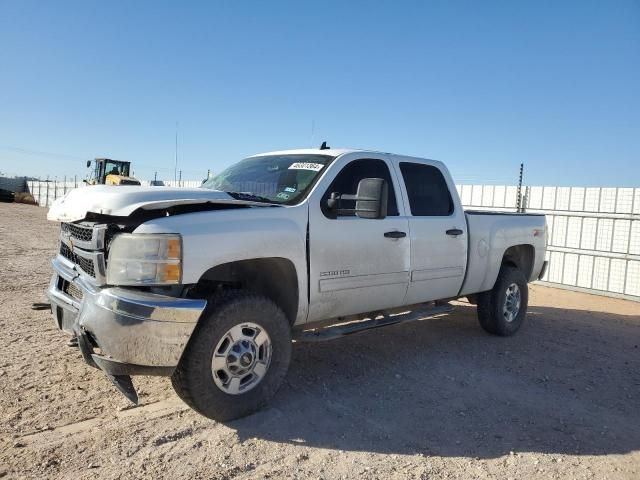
(347, 183)
(427, 189)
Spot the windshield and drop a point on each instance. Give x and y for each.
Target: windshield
(282, 179)
(116, 168)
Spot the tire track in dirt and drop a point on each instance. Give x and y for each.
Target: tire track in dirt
(133, 416)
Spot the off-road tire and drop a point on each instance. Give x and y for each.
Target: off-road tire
(193, 377)
(490, 304)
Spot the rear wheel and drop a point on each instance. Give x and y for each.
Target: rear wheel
(502, 310)
(237, 357)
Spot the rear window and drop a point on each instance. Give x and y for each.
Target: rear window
(427, 189)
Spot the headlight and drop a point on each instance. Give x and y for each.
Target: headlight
(145, 259)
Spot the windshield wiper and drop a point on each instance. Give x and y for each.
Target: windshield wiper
(250, 197)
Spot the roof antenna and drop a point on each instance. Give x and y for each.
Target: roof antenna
(324, 146)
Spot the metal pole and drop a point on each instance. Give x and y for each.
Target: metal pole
(518, 199)
(593, 268)
(570, 195)
(180, 179)
(47, 204)
(599, 198)
(175, 168)
(626, 263)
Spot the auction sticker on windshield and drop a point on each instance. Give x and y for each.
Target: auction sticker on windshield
(316, 167)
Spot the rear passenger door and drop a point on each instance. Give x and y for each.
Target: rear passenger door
(438, 231)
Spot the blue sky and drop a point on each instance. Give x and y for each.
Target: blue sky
(482, 86)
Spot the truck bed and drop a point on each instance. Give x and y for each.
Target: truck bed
(494, 212)
(490, 235)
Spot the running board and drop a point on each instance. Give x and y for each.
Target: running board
(337, 331)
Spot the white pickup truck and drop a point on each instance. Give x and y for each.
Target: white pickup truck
(210, 285)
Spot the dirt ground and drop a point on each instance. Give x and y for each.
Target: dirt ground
(429, 400)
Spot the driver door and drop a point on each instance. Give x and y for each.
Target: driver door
(356, 265)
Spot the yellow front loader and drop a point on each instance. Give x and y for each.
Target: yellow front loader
(111, 172)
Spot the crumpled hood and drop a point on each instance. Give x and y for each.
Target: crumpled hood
(122, 200)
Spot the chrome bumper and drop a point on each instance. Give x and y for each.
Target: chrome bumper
(123, 327)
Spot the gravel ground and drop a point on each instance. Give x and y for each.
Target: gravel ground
(432, 399)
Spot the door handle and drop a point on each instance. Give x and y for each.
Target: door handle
(395, 234)
(454, 232)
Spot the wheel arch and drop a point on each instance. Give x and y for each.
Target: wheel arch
(274, 277)
(521, 257)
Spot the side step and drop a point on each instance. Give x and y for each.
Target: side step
(336, 331)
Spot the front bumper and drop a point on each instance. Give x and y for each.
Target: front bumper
(120, 330)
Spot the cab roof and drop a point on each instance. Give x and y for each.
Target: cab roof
(332, 152)
(336, 152)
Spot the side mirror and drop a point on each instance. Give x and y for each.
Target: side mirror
(88, 163)
(371, 199)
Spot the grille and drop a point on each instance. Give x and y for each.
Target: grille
(86, 264)
(124, 181)
(78, 232)
(67, 253)
(72, 290)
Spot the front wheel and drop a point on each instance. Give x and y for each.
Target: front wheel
(502, 310)
(237, 357)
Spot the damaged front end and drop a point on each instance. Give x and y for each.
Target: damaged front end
(122, 331)
(129, 324)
